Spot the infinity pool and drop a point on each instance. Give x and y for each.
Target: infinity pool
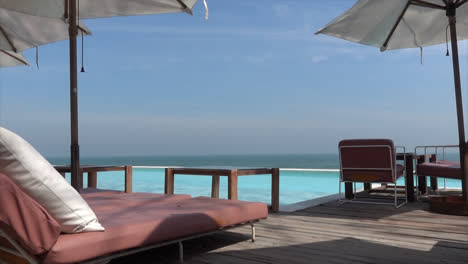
(295, 185)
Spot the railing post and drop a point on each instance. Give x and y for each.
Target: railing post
(232, 185)
(275, 189)
(215, 186)
(128, 179)
(169, 181)
(92, 179)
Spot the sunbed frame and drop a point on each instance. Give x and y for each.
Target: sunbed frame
(22, 253)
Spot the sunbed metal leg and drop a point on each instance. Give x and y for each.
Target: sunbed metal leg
(20, 252)
(181, 252)
(339, 193)
(354, 191)
(253, 233)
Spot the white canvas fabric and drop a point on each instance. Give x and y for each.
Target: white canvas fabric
(11, 59)
(36, 176)
(27, 31)
(370, 22)
(100, 8)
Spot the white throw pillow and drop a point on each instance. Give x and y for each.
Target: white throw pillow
(36, 176)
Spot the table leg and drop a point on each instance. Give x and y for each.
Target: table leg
(215, 186)
(232, 185)
(275, 174)
(367, 186)
(349, 190)
(422, 180)
(409, 178)
(434, 183)
(128, 179)
(169, 181)
(92, 179)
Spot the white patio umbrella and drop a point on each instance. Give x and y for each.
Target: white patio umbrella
(72, 11)
(99, 8)
(12, 59)
(19, 31)
(399, 24)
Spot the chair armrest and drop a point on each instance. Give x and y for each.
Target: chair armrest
(435, 148)
(401, 147)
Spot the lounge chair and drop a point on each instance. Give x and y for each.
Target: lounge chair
(133, 222)
(438, 168)
(369, 161)
(44, 220)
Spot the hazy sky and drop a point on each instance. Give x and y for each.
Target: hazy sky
(252, 79)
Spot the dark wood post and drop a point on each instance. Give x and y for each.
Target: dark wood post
(275, 186)
(434, 184)
(349, 190)
(169, 181)
(422, 180)
(409, 177)
(128, 179)
(215, 186)
(232, 185)
(76, 175)
(451, 14)
(92, 179)
(367, 186)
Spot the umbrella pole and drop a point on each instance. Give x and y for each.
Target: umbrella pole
(458, 95)
(76, 178)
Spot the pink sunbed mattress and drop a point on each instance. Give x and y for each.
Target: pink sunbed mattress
(138, 219)
(444, 169)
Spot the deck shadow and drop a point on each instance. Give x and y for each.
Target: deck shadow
(192, 248)
(347, 250)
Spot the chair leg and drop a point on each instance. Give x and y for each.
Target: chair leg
(253, 233)
(181, 252)
(354, 191)
(340, 201)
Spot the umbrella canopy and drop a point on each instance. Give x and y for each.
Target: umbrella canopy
(12, 59)
(99, 8)
(400, 24)
(72, 11)
(19, 31)
(397, 24)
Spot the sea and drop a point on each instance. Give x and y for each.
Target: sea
(302, 176)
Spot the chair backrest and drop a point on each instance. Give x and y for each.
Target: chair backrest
(367, 160)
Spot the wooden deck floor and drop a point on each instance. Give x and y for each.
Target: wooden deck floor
(350, 233)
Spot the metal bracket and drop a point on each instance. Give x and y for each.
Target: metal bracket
(451, 10)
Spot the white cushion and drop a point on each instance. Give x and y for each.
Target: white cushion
(36, 176)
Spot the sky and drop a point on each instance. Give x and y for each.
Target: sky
(253, 79)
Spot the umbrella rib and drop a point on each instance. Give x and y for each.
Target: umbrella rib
(14, 57)
(461, 3)
(184, 6)
(65, 11)
(7, 38)
(83, 30)
(400, 17)
(426, 4)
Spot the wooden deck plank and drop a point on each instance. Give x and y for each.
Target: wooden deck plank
(349, 233)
